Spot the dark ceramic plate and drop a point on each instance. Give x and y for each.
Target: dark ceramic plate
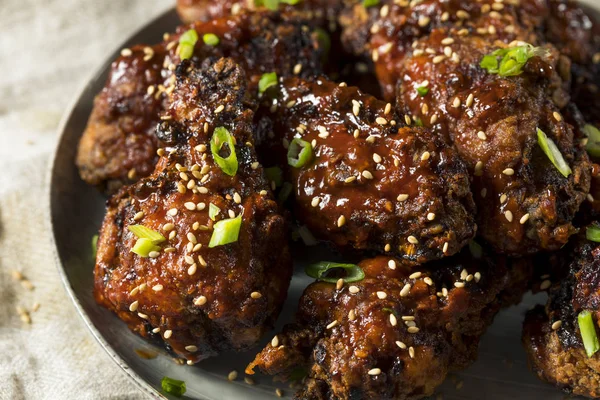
(75, 214)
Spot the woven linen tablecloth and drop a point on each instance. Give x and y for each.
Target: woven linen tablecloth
(48, 50)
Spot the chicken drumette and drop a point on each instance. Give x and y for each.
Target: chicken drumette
(429, 56)
(119, 144)
(395, 334)
(220, 274)
(360, 176)
(552, 335)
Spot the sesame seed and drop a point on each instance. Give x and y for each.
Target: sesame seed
(412, 239)
(438, 59)
(157, 288)
(508, 215)
(407, 119)
(411, 350)
(392, 264)
(339, 284)
(155, 330)
(167, 334)
(430, 216)
(352, 315)
(332, 324)
(381, 295)
(139, 215)
(415, 275)
(248, 380)
(401, 345)
(231, 213)
(508, 172)
(448, 51)
(412, 329)
(237, 198)
(459, 284)
(524, 219)
(172, 212)
(134, 306)
(189, 260)
(232, 376)
(172, 235)
(424, 21)
(402, 197)
(405, 290)
(374, 371)
(200, 301)
(376, 158)
(219, 109)
(200, 207)
(126, 52)
(297, 69)
(388, 109)
(477, 276)
(315, 201)
(428, 281)
(279, 392)
(275, 341)
(433, 119)
(192, 269)
(447, 41)
(381, 121)
(481, 135)
(425, 156)
(393, 320)
(367, 174)
(353, 289)
(478, 168)
(545, 284)
(202, 261)
(557, 116)
(387, 247)
(191, 348)
(456, 102)
(341, 221)
(462, 14)
(445, 247)
(255, 295)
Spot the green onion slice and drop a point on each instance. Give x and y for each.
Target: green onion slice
(94, 245)
(321, 270)
(324, 40)
(509, 61)
(228, 164)
(391, 311)
(475, 249)
(290, 2)
(274, 174)
(146, 233)
(593, 233)
(307, 236)
(593, 144)
(299, 153)
(210, 39)
(226, 231)
(588, 332)
(213, 211)
(187, 41)
(266, 81)
(285, 192)
(422, 91)
(370, 3)
(143, 247)
(550, 149)
(173, 386)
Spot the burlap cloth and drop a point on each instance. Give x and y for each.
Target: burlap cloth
(48, 49)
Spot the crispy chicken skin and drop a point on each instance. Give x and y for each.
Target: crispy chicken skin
(372, 182)
(524, 204)
(198, 300)
(551, 334)
(119, 144)
(397, 333)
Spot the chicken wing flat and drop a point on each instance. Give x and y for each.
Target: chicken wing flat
(552, 335)
(395, 334)
(218, 275)
(429, 55)
(366, 180)
(119, 144)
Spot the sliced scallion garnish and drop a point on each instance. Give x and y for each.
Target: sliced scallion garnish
(226, 231)
(509, 61)
(266, 81)
(324, 40)
(307, 236)
(228, 164)
(187, 41)
(370, 3)
(321, 270)
(593, 144)
(553, 153)
(94, 245)
(173, 386)
(143, 247)
(299, 153)
(592, 233)
(475, 249)
(213, 211)
(210, 39)
(143, 232)
(274, 174)
(588, 332)
(422, 91)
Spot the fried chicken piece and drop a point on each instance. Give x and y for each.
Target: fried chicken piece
(395, 334)
(119, 144)
(429, 55)
(370, 182)
(200, 299)
(551, 334)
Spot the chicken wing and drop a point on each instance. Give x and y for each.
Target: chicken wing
(395, 334)
(218, 275)
(367, 181)
(119, 144)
